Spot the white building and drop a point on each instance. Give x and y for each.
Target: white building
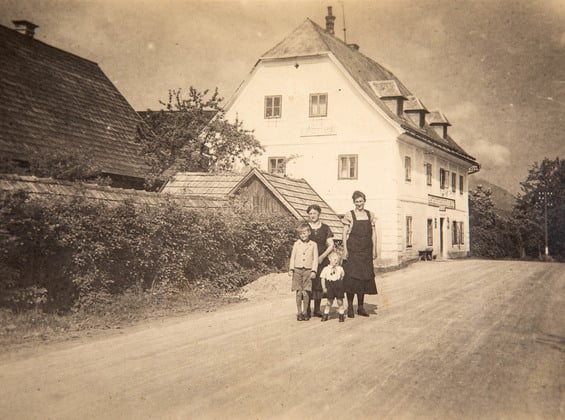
(327, 113)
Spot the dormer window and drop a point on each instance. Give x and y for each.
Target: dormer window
(416, 111)
(273, 106)
(437, 119)
(318, 105)
(389, 92)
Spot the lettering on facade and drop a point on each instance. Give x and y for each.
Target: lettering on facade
(441, 202)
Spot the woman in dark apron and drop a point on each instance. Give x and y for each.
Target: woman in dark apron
(360, 249)
(322, 235)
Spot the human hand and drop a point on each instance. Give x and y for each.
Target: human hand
(325, 289)
(312, 275)
(290, 272)
(344, 254)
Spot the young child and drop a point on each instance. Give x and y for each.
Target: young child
(332, 284)
(303, 268)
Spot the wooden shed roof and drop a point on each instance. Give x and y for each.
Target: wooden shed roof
(294, 194)
(53, 187)
(52, 99)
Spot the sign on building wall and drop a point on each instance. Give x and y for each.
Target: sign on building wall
(441, 202)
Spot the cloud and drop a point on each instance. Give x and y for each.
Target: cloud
(491, 154)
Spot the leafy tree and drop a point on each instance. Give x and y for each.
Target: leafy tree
(492, 235)
(192, 134)
(544, 185)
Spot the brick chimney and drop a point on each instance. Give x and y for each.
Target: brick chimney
(25, 27)
(330, 21)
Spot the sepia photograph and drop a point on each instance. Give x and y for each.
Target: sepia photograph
(282, 209)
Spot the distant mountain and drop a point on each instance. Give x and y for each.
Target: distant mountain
(501, 198)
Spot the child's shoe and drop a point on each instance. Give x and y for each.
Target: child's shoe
(341, 317)
(325, 317)
(350, 313)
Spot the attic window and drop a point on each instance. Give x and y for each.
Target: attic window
(273, 106)
(389, 92)
(318, 105)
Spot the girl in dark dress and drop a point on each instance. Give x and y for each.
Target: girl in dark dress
(360, 249)
(322, 235)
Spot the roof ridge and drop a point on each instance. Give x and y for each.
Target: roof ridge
(10, 30)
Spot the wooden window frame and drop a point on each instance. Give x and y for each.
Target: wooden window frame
(272, 107)
(461, 184)
(409, 231)
(430, 232)
(282, 160)
(428, 173)
(443, 175)
(314, 113)
(407, 169)
(453, 182)
(340, 166)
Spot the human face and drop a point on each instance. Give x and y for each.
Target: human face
(334, 260)
(304, 235)
(359, 203)
(314, 215)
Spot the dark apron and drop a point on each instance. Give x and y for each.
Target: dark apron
(359, 271)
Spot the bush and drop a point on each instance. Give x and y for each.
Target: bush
(84, 252)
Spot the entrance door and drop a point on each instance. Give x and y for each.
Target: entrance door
(441, 219)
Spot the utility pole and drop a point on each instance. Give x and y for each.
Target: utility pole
(545, 196)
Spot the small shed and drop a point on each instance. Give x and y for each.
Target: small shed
(262, 192)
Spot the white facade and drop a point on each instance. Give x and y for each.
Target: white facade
(357, 127)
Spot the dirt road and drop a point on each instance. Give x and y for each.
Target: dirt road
(456, 339)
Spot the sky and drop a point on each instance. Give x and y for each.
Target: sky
(495, 68)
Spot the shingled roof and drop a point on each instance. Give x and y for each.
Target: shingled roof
(53, 187)
(293, 194)
(52, 99)
(310, 39)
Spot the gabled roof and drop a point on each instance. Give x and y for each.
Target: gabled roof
(52, 99)
(203, 184)
(309, 39)
(293, 194)
(53, 187)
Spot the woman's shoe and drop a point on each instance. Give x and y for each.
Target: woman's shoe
(341, 317)
(361, 311)
(325, 317)
(350, 313)
(318, 314)
(299, 317)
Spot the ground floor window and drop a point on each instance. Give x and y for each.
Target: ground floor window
(430, 232)
(457, 233)
(408, 231)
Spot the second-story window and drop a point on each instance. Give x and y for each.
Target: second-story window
(428, 173)
(407, 168)
(318, 104)
(453, 182)
(460, 184)
(277, 165)
(273, 106)
(347, 167)
(442, 178)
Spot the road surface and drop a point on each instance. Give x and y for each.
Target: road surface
(455, 339)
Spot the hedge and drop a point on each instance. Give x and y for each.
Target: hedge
(69, 252)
